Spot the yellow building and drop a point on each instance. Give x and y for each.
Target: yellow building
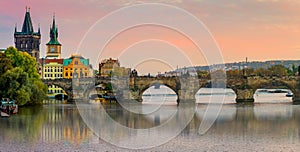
(111, 67)
(106, 67)
(76, 66)
(52, 68)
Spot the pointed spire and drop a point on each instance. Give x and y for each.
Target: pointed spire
(16, 28)
(39, 30)
(27, 24)
(53, 23)
(53, 33)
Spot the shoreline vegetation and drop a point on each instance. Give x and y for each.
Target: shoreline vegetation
(19, 78)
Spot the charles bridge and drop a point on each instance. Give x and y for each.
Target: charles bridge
(185, 87)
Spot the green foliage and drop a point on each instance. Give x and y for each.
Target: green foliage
(14, 85)
(22, 60)
(277, 70)
(19, 78)
(96, 72)
(108, 87)
(5, 64)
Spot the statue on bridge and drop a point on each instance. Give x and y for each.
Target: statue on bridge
(133, 73)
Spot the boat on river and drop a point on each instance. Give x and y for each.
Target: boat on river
(289, 94)
(3, 114)
(8, 106)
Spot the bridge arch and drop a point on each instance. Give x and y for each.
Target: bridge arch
(272, 84)
(64, 84)
(143, 85)
(245, 89)
(94, 87)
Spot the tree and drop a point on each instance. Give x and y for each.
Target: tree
(19, 78)
(5, 64)
(22, 60)
(15, 85)
(38, 89)
(234, 73)
(278, 70)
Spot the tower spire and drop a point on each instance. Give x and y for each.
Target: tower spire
(16, 28)
(27, 24)
(53, 22)
(53, 33)
(39, 30)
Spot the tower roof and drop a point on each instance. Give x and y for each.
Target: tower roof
(53, 34)
(27, 24)
(27, 27)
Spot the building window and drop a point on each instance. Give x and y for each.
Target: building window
(67, 74)
(76, 62)
(71, 74)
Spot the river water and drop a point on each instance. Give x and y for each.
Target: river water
(272, 123)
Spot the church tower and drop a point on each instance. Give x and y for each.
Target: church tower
(27, 40)
(53, 46)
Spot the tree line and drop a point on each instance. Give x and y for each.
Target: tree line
(276, 70)
(19, 78)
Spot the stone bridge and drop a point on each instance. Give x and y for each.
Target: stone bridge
(185, 87)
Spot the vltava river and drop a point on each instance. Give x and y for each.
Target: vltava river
(272, 123)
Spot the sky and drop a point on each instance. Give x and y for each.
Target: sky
(258, 29)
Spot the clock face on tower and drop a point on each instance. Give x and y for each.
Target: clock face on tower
(52, 50)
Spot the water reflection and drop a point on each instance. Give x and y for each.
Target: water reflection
(48, 124)
(63, 123)
(60, 126)
(22, 128)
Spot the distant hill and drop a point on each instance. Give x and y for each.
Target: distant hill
(255, 64)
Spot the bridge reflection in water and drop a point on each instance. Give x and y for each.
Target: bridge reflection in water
(59, 126)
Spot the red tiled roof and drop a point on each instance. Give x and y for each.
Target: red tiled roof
(46, 61)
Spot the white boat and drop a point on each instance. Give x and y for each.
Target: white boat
(289, 94)
(3, 114)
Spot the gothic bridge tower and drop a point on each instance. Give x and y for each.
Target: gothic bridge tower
(27, 40)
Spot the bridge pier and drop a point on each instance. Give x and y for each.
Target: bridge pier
(134, 95)
(244, 95)
(296, 90)
(296, 96)
(186, 95)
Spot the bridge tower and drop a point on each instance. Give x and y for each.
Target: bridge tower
(27, 40)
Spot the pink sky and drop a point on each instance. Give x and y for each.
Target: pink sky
(259, 29)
